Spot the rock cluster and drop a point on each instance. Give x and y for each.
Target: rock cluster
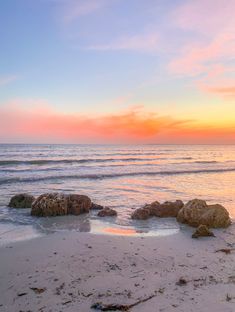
(195, 213)
(21, 201)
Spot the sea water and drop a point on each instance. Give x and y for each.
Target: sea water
(123, 177)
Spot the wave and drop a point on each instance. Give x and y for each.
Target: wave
(70, 161)
(206, 162)
(82, 160)
(112, 175)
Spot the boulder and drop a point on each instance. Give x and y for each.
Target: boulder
(107, 212)
(167, 209)
(58, 204)
(21, 201)
(141, 214)
(50, 204)
(96, 206)
(78, 204)
(201, 231)
(197, 212)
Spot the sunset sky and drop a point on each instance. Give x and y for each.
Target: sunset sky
(117, 71)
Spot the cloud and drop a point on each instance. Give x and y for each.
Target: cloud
(73, 9)
(36, 121)
(40, 121)
(197, 58)
(224, 91)
(142, 42)
(4, 80)
(208, 17)
(209, 48)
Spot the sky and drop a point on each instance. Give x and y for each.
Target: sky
(117, 71)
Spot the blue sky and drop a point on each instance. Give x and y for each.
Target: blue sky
(174, 59)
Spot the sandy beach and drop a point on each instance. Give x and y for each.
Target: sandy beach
(72, 271)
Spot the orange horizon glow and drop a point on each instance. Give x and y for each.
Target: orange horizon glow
(42, 124)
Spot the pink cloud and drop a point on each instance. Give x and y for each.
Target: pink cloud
(197, 58)
(209, 56)
(208, 17)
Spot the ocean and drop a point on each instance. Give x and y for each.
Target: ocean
(124, 177)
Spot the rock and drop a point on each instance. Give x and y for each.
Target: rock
(21, 201)
(141, 214)
(96, 206)
(201, 231)
(167, 209)
(78, 204)
(197, 212)
(152, 208)
(58, 204)
(181, 282)
(107, 212)
(50, 204)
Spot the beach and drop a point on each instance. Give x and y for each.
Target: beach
(85, 262)
(117, 156)
(71, 271)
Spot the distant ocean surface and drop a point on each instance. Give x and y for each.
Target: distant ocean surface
(124, 177)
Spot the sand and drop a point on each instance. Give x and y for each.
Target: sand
(70, 271)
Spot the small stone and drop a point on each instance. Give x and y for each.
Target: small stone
(181, 282)
(96, 207)
(201, 231)
(107, 212)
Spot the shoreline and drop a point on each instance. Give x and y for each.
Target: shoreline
(70, 271)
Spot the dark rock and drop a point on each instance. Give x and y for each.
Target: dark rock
(167, 209)
(197, 212)
(201, 231)
(141, 214)
(107, 212)
(58, 204)
(21, 201)
(50, 204)
(96, 206)
(78, 204)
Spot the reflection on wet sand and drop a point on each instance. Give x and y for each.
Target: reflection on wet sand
(119, 231)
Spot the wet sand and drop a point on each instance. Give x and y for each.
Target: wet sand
(71, 271)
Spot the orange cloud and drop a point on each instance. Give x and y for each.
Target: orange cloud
(41, 123)
(224, 91)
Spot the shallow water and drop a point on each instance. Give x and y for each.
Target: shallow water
(120, 176)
